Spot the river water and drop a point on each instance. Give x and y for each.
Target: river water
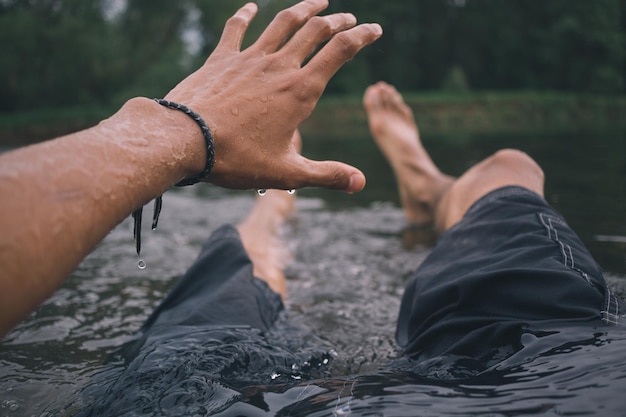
(351, 256)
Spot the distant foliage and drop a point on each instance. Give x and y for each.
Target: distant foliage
(565, 45)
(78, 52)
(455, 82)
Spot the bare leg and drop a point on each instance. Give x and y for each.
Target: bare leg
(427, 195)
(260, 234)
(420, 183)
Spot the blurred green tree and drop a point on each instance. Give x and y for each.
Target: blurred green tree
(515, 44)
(55, 53)
(76, 52)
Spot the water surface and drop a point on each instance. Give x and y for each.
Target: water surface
(351, 256)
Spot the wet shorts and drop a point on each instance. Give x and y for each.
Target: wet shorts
(511, 265)
(218, 290)
(216, 332)
(215, 343)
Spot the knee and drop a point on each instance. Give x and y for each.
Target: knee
(513, 167)
(504, 168)
(516, 160)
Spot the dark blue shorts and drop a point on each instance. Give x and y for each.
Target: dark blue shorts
(217, 331)
(511, 267)
(511, 264)
(218, 290)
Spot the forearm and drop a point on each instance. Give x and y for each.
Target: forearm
(91, 181)
(62, 197)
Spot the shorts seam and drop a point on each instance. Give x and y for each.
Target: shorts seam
(611, 313)
(567, 254)
(612, 303)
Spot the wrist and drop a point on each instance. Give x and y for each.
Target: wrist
(173, 133)
(206, 134)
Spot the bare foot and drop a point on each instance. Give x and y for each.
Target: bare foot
(260, 234)
(420, 182)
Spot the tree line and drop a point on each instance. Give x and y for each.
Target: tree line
(101, 52)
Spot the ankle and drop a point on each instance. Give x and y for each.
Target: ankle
(421, 195)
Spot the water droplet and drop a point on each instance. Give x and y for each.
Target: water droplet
(292, 191)
(141, 264)
(325, 361)
(261, 191)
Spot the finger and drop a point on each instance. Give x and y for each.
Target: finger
(287, 22)
(317, 30)
(331, 174)
(341, 48)
(236, 27)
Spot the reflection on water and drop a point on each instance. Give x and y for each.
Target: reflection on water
(346, 278)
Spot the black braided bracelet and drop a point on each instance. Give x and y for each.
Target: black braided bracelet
(208, 139)
(210, 161)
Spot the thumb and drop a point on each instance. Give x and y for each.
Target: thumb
(331, 174)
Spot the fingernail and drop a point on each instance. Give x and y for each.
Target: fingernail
(355, 184)
(378, 29)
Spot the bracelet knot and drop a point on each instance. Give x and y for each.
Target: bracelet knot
(210, 161)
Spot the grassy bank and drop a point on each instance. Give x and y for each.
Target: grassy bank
(437, 113)
(485, 112)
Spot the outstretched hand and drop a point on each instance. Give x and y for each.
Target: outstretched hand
(253, 100)
(56, 209)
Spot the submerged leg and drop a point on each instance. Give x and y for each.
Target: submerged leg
(427, 194)
(260, 231)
